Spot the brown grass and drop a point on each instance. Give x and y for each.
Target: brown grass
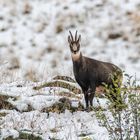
(4, 104)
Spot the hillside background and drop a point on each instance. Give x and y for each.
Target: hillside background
(33, 36)
(34, 49)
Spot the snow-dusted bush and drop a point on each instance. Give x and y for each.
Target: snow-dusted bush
(124, 123)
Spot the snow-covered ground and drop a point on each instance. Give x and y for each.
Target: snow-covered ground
(28, 114)
(34, 47)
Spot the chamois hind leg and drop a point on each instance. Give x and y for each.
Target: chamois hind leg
(91, 96)
(86, 99)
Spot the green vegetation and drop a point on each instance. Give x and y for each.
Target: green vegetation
(123, 121)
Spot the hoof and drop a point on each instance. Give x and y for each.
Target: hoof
(86, 109)
(89, 109)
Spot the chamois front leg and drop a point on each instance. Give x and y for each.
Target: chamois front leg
(85, 91)
(86, 99)
(91, 94)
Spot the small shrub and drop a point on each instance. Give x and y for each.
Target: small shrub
(123, 124)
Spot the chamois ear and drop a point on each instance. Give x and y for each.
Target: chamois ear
(69, 40)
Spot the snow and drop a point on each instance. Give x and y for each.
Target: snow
(9, 132)
(33, 47)
(66, 125)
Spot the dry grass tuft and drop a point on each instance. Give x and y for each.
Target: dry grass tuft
(62, 105)
(4, 104)
(31, 75)
(62, 84)
(27, 8)
(14, 63)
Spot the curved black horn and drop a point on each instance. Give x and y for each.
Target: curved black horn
(71, 35)
(76, 35)
(79, 38)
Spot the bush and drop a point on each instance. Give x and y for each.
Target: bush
(124, 123)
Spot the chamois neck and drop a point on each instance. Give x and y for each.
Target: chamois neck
(76, 57)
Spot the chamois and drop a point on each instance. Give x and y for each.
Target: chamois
(90, 73)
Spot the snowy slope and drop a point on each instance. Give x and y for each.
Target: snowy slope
(33, 47)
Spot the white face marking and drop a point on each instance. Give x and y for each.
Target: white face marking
(74, 47)
(75, 56)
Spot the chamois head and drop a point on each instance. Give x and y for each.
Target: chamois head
(74, 43)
